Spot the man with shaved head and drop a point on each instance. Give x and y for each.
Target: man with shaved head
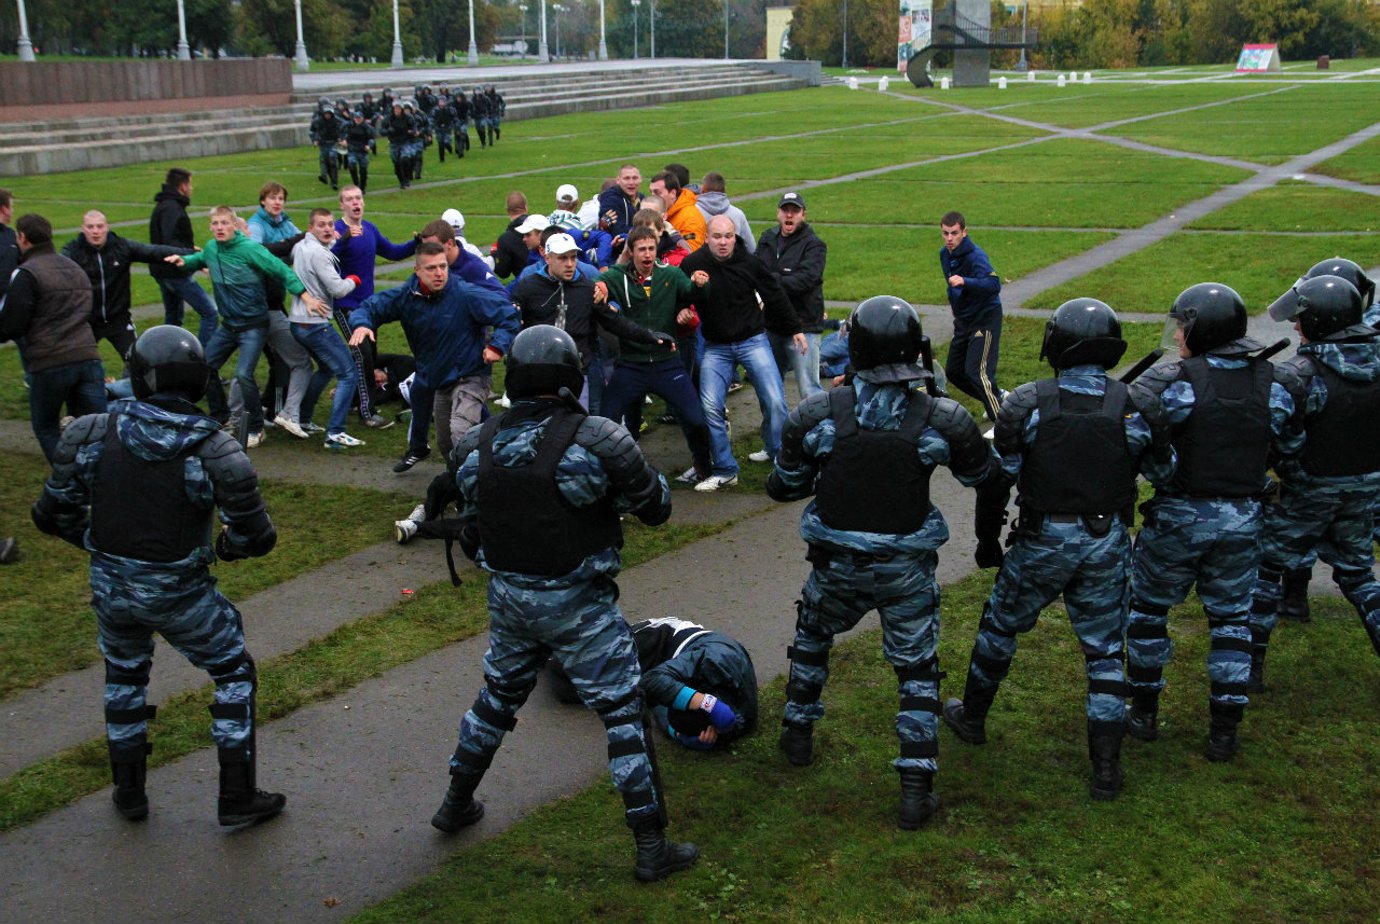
(106, 258)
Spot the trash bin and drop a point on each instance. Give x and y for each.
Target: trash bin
(1324, 63)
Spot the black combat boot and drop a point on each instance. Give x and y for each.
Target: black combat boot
(241, 802)
(657, 857)
(1260, 644)
(460, 808)
(1104, 747)
(128, 768)
(441, 149)
(798, 743)
(1222, 744)
(1294, 602)
(1142, 720)
(918, 801)
(967, 717)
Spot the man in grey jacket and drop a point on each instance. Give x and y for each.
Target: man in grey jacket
(319, 270)
(713, 201)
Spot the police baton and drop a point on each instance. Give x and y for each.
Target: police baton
(1145, 363)
(927, 361)
(1281, 344)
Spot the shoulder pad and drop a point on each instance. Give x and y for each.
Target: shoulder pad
(89, 428)
(1159, 377)
(809, 413)
(611, 442)
(1011, 417)
(952, 420)
(225, 461)
(1294, 373)
(467, 444)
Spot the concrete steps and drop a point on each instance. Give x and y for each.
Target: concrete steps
(31, 148)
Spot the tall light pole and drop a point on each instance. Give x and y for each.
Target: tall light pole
(635, 5)
(845, 33)
(184, 51)
(559, 9)
(725, 30)
(397, 39)
(543, 53)
(522, 8)
(302, 62)
(651, 11)
(473, 57)
(1023, 65)
(603, 48)
(26, 47)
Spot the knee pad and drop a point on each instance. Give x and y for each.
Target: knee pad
(510, 694)
(136, 676)
(799, 690)
(240, 670)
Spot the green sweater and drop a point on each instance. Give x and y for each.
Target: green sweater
(654, 306)
(238, 268)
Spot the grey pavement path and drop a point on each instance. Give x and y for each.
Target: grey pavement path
(365, 770)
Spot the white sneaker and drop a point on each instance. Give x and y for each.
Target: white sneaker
(760, 455)
(255, 440)
(341, 441)
(715, 482)
(291, 426)
(688, 476)
(990, 434)
(504, 401)
(313, 428)
(418, 513)
(404, 530)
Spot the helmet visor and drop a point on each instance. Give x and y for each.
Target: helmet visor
(1286, 306)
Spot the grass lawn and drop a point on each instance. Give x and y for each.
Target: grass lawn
(1258, 266)
(1288, 831)
(1297, 206)
(50, 632)
(1361, 163)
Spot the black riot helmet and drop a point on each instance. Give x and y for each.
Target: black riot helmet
(884, 339)
(542, 361)
(323, 103)
(1210, 314)
(1351, 272)
(1328, 308)
(168, 360)
(1083, 331)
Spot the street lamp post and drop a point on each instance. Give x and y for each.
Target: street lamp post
(603, 47)
(302, 61)
(397, 39)
(1023, 65)
(543, 52)
(26, 47)
(635, 5)
(558, 9)
(522, 8)
(473, 57)
(184, 51)
(845, 33)
(725, 30)
(651, 12)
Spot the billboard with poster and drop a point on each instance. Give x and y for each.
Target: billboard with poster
(1258, 59)
(917, 19)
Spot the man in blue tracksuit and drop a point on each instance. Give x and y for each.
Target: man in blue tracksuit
(444, 319)
(975, 297)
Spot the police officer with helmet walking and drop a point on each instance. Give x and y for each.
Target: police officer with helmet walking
(136, 487)
(545, 469)
(1330, 481)
(1074, 444)
(1226, 409)
(866, 452)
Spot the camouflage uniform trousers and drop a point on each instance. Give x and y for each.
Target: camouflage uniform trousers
(903, 591)
(329, 163)
(1186, 541)
(1336, 521)
(1092, 573)
(133, 600)
(583, 628)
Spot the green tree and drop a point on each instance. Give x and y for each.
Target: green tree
(270, 27)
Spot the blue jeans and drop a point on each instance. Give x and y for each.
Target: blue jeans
(250, 343)
(333, 357)
(806, 368)
(179, 289)
(716, 370)
(668, 379)
(79, 385)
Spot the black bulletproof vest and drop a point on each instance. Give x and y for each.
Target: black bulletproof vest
(1079, 462)
(874, 480)
(140, 509)
(1224, 445)
(525, 524)
(1342, 439)
(660, 640)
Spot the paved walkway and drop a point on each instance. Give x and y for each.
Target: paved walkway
(364, 770)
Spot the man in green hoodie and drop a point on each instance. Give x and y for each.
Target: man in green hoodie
(238, 268)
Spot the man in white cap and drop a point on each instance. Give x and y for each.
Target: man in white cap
(531, 228)
(456, 220)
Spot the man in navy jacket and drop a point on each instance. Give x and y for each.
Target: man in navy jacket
(975, 297)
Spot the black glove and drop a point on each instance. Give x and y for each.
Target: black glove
(989, 554)
(223, 550)
(469, 541)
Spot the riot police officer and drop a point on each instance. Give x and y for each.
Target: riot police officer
(1225, 409)
(1293, 604)
(866, 451)
(542, 489)
(1074, 444)
(151, 472)
(1330, 482)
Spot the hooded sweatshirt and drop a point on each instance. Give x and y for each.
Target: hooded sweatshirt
(716, 203)
(170, 226)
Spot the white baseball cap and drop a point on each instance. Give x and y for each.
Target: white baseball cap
(561, 243)
(567, 193)
(453, 218)
(533, 223)
(565, 219)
